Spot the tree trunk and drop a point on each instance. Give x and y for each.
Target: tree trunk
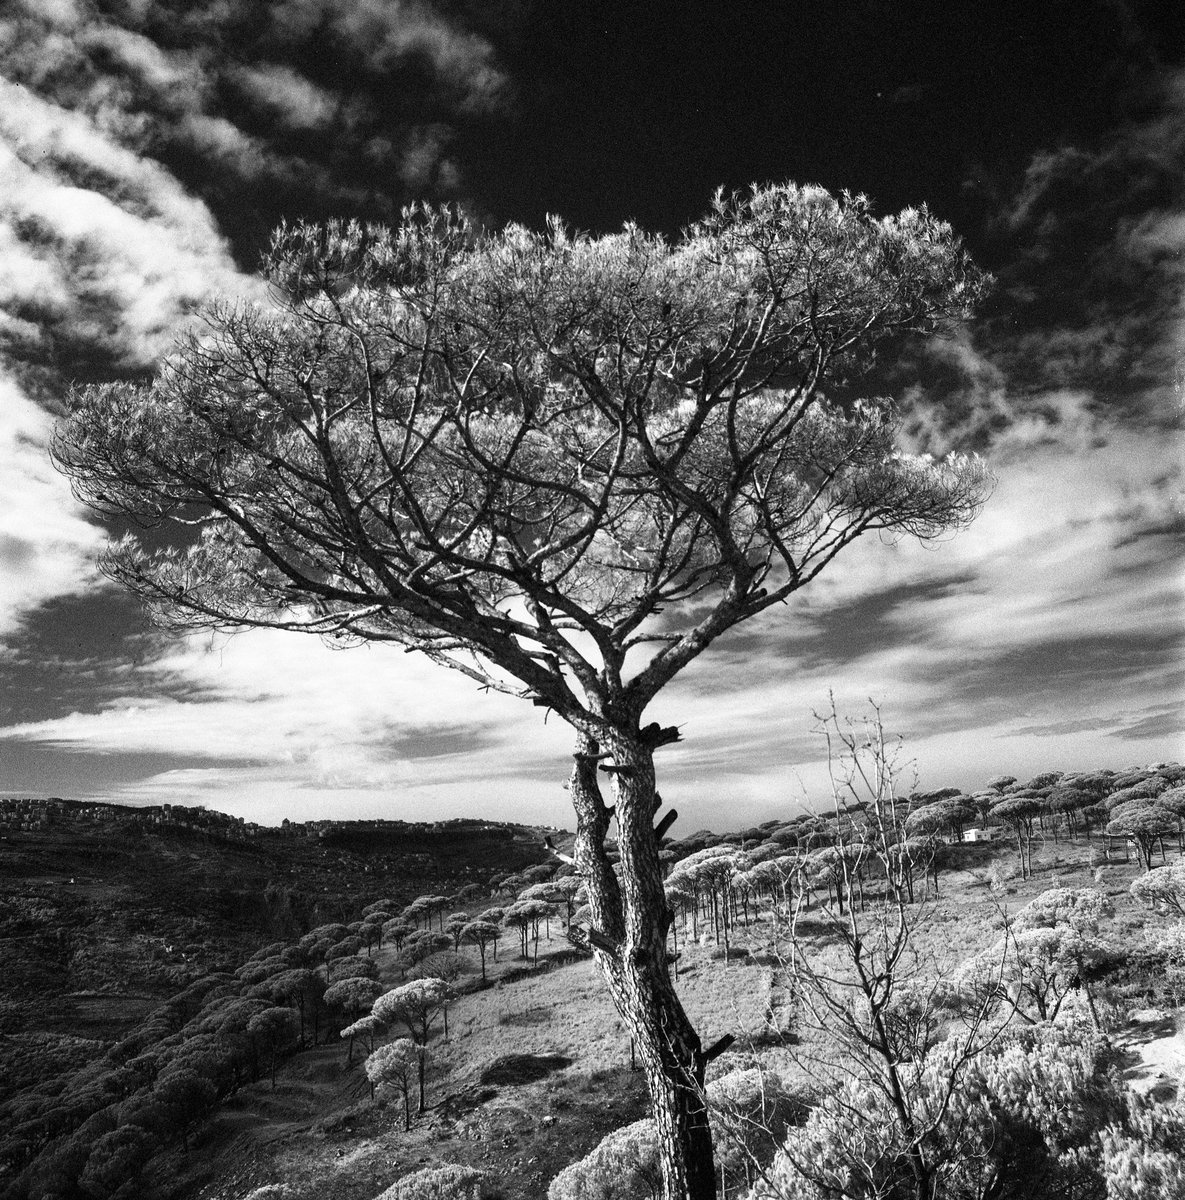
(630, 925)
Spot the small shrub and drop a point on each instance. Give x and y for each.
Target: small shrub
(440, 1183)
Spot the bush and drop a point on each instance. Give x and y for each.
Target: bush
(624, 1166)
(1144, 1157)
(1023, 1123)
(440, 1183)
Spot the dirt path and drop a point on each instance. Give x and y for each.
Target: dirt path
(1154, 1045)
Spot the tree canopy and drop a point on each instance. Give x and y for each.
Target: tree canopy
(481, 444)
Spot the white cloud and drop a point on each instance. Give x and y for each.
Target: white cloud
(47, 546)
(386, 32)
(177, 78)
(63, 14)
(113, 263)
(293, 101)
(1057, 557)
(974, 639)
(281, 711)
(117, 260)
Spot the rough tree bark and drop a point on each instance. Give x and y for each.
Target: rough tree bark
(629, 941)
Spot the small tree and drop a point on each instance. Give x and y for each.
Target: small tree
(943, 817)
(1031, 971)
(353, 997)
(869, 1009)
(481, 934)
(1069, 802)
(414, 1006)
(454, 926)
(512, 451)
(394, 1067)
(1144, 1156)
(1023, 1122)
(422, 945)
(302, 987)
(527, 916)
(371, 932)
(1145, 824)
(364, 1027)
(1173, 800)
(625, 1163)
(397, 931)
(274, 1029)
(516, 918)
(1019, 813)
(1080, 909)
(116, 1161)
(183, 1097)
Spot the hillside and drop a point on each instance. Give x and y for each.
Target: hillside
(106, 911)
(319, 1133)
(535, 1068)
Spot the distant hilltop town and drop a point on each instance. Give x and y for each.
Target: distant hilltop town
(31, 814)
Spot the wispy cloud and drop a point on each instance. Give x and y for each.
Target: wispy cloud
(109, 252)
(392, 79)
(1088, 319)
(279, 711)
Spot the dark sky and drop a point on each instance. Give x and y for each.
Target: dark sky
(147, 150)
(643, 110)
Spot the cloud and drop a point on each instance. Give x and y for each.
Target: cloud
(1063, 601)
(47, 546)
(289, 99)
(323, 105)
(279, 710)
(1087, 320)
(1061, 605)
(387, 33)
(106, 251)
(1097, 271)
(139, 164)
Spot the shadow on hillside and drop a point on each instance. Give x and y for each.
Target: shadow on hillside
(514, 1069)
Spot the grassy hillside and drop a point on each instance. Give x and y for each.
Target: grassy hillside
(103, 919)
(536, 1067)
(320, 1134)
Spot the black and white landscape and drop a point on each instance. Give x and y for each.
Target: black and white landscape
(748, 438)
